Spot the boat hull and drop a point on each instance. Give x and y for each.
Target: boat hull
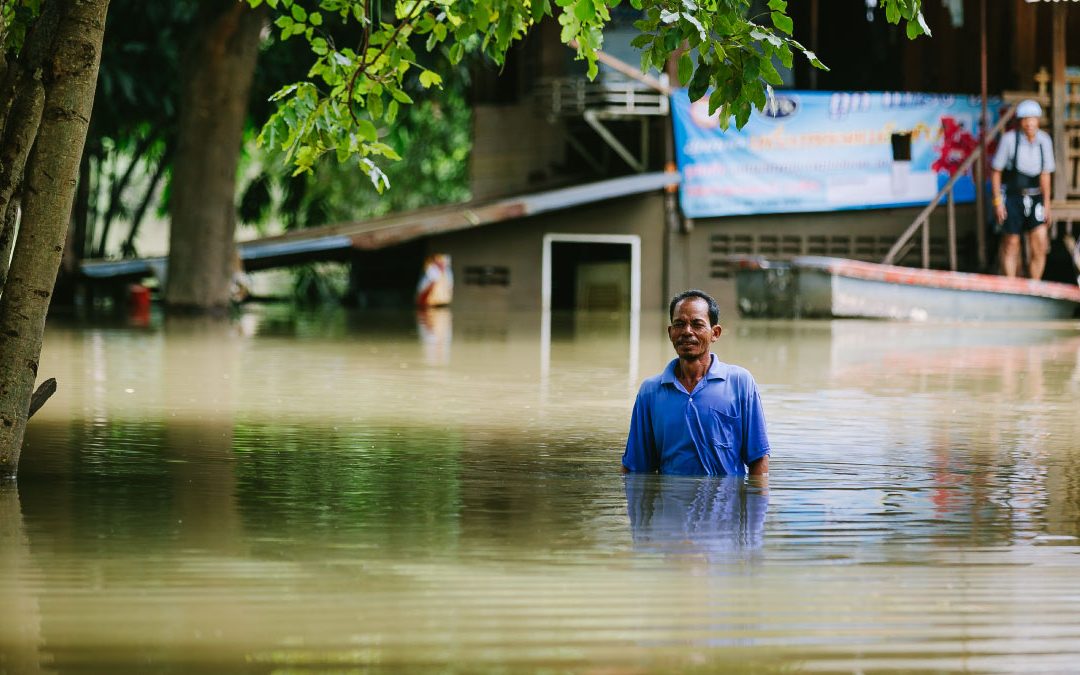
(814, 287)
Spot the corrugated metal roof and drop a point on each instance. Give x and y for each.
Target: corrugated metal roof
(330, 241)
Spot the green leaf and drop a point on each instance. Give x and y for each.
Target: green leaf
(758, 97)
(751, 69)
(540, 9)
(814, 61)
(699, 84)
(671, 41)
(401, 96)
(375, 106)
(785, 55)
(686, 68)
(315, 19)
(742, 114)
(892, 12)
(385, 150)
(299, 13)
(716, 99)
(782, 22)
(769, 72)
(367, 130)
(429, 79)
(778, 5)
(584, 10)
(457, 52)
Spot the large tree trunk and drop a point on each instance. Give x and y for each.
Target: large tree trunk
(21, 103)
(48, 189)
(214, 102)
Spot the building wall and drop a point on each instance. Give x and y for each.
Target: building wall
(515, 150)
(512, 251)
(699, 258)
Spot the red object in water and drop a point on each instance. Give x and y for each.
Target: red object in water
(138, 300)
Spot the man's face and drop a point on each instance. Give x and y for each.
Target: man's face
(690, 332)
(1029, 125)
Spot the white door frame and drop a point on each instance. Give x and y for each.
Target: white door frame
(635, 263)
(635, 299)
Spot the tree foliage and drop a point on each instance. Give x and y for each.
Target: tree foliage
(351, 89)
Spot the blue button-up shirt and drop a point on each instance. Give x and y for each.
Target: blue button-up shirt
(716, 430)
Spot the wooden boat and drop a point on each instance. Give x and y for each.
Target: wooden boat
(819, 287)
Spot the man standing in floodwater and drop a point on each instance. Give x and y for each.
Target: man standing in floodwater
(1025, 159)
(700, 416)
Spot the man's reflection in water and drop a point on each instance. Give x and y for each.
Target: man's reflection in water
(697, 515)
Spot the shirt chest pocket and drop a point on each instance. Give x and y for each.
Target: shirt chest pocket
(725, 429)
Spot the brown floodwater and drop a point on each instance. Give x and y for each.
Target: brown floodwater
(299, 492)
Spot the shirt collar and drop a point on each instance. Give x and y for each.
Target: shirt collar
(717, 370)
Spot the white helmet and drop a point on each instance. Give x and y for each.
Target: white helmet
(1028, 108)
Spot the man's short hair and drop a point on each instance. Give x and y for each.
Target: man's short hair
(714, 309)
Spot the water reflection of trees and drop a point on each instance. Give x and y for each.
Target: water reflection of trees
(20, 618)
(387, 490)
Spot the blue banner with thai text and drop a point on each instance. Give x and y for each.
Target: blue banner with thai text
(825, 151)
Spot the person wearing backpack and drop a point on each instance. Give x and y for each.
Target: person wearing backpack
(1020, 185)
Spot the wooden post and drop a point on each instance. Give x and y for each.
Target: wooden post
(1058, 100)
(980, 165)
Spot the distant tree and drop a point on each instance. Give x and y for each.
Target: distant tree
(219, 66)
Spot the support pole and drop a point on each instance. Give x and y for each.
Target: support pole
(980, 166)
(1058, 101)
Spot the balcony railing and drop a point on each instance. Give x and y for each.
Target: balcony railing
(574, 96)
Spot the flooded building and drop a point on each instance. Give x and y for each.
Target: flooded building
(589, 218)
(582, 197)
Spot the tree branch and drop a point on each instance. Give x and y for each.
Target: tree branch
(409, 17)
(127, 249)
(116, 193)
(44, 391)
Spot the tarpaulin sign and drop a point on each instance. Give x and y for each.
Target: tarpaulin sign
(825, 151)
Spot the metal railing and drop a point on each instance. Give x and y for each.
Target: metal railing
(946, 192)
(573, 96)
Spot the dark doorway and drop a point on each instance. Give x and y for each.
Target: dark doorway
(590, 276)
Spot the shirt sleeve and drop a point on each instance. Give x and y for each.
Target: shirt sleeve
(1048, 153)
(1001, 155)
(641, 454)
(755, 435)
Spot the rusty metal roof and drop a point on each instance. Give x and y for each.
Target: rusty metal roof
(330, 242)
